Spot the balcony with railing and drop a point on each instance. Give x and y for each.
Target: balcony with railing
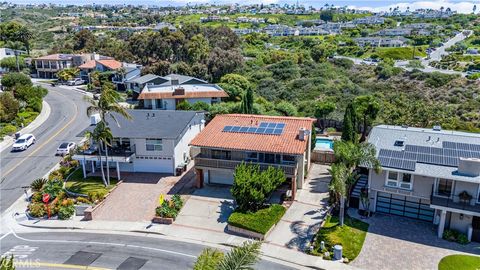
(289, 169)
(122, 153)
(461, 201)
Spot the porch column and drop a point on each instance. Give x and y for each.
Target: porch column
(118, 171)
(294, 187)
(93, 166)
(84, 170)
(198, 178)
(441, 225)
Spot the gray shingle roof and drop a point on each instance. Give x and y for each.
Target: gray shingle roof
(157, 124)
(144, 79)
(181, 78)
(384, 137)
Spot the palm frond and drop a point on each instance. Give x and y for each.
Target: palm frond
(242, 257)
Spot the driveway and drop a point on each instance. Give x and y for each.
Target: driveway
(400, 243)
(302, 220)
(137, 196)
(207, 209)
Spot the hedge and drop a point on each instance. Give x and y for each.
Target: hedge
(260, 221)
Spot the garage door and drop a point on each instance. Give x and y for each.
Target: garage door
(154, 165)
(221, 177)
(404, 206)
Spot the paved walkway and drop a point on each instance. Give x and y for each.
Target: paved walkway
(137, 197)
(302, 220)
(400, 243)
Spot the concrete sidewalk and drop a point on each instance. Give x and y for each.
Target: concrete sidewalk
(41, 118)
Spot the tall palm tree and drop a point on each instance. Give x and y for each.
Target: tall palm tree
(107, 105)
(102, 135)
(239, 258)
(350, 155)
(16, 46)
(338, 185)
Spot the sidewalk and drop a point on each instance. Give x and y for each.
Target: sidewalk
(41, 118)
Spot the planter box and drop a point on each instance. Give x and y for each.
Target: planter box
(80, 209)
(161, 220)
(247, 233)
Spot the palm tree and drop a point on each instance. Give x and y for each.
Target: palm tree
(107, 104)
(239, 258)
(25, 35)
(7, 264)
(350, 155)
(16, 46)
(102, 135)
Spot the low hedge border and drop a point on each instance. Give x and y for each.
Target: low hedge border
(259, 222)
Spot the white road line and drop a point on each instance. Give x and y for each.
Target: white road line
(5, 235)
(104, 244)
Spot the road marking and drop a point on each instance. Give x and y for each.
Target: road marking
(47, 141)
(104, 244)
(64, 266)
(5, 235)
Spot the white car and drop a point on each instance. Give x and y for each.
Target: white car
(76, 81)
(65, 148)
(23, 142)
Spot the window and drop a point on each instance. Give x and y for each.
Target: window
(406, 181)
(252, 156)
(288, 159)
(399, 180)
(269, 158)
(159, 103)
(444, 187)
(154, 144)
(392, 179)
(219, 154)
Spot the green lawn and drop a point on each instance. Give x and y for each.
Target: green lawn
(400, 53)
(351, 236)
(260, 221)
(76, 183)
(459, 262)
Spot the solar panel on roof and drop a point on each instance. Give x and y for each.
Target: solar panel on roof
(227, 128)
(263, 124)
(409, 165)
(384, 161)
(475, 154)
(463, 146)
(395, 163)
(235, 129)
(436, 151)
(410, 156)
(252, 129)
(277, 131)
(463, 153)
(280, 125)
(410, 148)
(243, 129)
(449, 145)
(436, 159)
(475, 147)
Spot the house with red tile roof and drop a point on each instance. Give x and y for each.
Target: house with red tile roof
(230, 139)
(121, 71)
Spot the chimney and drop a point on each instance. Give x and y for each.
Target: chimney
(469, 166)
(301, 134)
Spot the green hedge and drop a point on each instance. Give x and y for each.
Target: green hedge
(260, 221)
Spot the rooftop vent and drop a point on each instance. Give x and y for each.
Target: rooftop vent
(437, 128)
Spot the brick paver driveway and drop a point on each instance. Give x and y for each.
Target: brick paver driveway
(136, 198)
(401, 243)
(303, 218)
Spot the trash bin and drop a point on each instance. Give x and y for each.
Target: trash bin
(17, 135)
(337, 252)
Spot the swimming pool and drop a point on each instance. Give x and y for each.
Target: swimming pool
(322, 143)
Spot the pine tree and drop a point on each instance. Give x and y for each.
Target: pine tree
(349, 133)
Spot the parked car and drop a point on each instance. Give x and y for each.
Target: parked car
(76, 81)
(23, 142)
(65, 148)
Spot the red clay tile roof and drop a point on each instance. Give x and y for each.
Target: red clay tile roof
(111, 64)
(213, 135)
(189, 94)
(88, 65)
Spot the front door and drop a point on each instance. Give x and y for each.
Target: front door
(476, 229)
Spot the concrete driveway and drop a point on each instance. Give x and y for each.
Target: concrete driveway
(207, 209)
(400, 243)
(302, 220)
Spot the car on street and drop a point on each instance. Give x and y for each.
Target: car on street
(23, 142)
(76, 81)
(65, 148)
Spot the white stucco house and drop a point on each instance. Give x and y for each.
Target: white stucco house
(155, 141)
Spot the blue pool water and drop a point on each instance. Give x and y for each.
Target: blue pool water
(323, 144)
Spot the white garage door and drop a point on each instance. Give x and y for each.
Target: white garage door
(154, 165)
(221, 177)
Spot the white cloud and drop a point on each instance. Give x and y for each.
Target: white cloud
(460, 7)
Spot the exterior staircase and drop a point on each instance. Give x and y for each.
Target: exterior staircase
(355, 195)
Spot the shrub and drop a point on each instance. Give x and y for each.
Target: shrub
(260, 221)
(38, 184)
(8, 129)
(95, 196)
(83, 200)
(177, 201)
(37, 197)
(170, 209)
(37, 209)
(53, 188)
(66, 211)
(462, 239)
(209, 259)
(455, 236)
(55, 175)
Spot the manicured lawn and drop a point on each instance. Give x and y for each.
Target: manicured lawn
(351, 236)
(459, 262)
(77, 184)
(260, 221)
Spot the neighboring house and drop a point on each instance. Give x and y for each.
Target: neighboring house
(175, 89)
(231, 139)
(48, 66)
(381, 41)
(153, 141)
(428, 174)
(138, 83)
(7, 52)
(105, 64)
(370, 20)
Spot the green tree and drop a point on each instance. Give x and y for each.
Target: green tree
(24, 35)
(9, 107)
(102, 135)
(197, 48)
(349, 131)
(14, 79)
(16, 46)
(252, 186)
(367, 109)
(235, 85)
(326, 15)
(239, 258)
(286, 108)
(323, 109)
(247, 102)
(10, 63)
(7, 264)
(183, 106)
(338, 184)
(68, 74)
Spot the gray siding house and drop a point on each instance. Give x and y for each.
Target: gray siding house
(428, 174)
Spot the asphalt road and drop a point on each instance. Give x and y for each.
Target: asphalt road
(67, 119)
(62, 250)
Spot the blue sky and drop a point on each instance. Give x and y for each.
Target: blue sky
(462, 6)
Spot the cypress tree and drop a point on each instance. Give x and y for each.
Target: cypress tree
(247, 102)
(349, 133)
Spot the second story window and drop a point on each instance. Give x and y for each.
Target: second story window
(154, 145)
(399, 180)
(444, 187)
(219, 154)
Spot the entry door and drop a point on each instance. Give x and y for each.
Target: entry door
(476, 229)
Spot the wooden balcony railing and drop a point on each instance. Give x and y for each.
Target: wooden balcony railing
(290, 170)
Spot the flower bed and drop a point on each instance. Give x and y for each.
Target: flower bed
(168, 210)
(58, 205)
(455, 236)
(259, 222)
(91, 187)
